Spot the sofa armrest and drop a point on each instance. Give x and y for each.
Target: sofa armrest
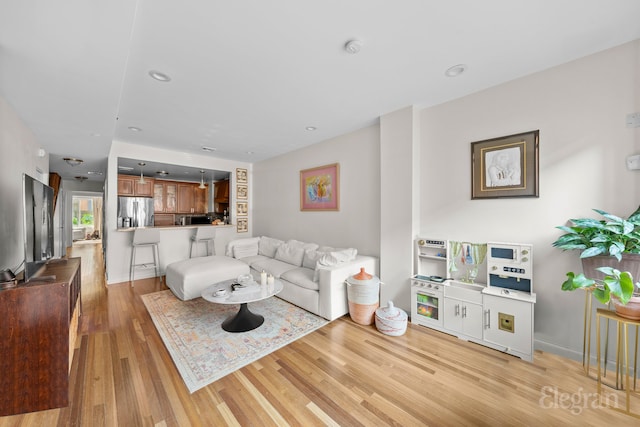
(332, 287)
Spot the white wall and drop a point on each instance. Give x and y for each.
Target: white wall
(276, 194)
(19, 154)
(580, 110)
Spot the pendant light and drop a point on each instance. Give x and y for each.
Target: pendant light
(202, 180)
(141, 180)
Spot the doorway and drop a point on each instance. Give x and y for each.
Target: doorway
(86, 219)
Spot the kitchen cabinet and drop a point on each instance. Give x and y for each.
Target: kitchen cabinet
(200, 199)
(165, 196)
(185, 198)
(164, 219)
(509, 324)
(130, 186)
(463, 311)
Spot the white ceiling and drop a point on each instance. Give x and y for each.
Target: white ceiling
(250, 76)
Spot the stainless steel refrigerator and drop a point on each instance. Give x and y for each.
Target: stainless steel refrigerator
(135, 212)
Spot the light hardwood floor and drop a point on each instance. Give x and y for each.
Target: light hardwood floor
(342, 374)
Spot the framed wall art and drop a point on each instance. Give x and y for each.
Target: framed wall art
(242, 208)
(320, 188)
(242, 191)
(242, 225)
(505, 166)
(241, 175)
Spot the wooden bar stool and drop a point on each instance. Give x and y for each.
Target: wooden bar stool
(145, 238)
(206, 235)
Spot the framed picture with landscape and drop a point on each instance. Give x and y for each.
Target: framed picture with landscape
(505, 166)
(320, 188)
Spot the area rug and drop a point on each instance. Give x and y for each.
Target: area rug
(203, 352)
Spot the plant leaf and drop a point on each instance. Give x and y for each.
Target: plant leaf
(596, 250)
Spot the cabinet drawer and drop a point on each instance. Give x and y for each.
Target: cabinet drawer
(469, 295)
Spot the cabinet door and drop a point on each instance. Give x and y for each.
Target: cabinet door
(472, 320)
(453, 314)
(170, 197)
(158, 197)
(185, 198)
(201, 199)
(510, 323)
(125, 186)
(144, 190)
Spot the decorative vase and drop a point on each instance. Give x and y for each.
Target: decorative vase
(630, 310)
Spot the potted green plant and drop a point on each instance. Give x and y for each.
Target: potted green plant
(610, 259)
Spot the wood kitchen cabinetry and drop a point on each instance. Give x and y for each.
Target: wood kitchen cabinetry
(129, 185)
(165, 197)
(221, 198)
(179, 197)
(37, 334)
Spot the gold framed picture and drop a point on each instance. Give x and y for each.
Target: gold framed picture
(241, 175)
(242, 191)
(242, 225)
(505, 166)
(242, 208)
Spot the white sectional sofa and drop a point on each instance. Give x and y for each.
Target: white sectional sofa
(313, 277)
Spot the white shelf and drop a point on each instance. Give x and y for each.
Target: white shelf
(440, 258)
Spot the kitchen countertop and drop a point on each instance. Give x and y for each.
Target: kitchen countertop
(173, 227)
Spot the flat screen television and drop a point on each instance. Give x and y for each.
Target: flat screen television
(38, 225)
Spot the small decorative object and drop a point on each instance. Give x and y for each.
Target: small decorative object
(270, 280)
(220, 292)
(320, 188)
(241, 175)
(505, 167)
(469, 256)
(263, 278)
(391, 320)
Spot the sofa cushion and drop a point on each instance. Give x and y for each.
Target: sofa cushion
(245, 250)
(272, 266)
(268, 246)
(253, 259)
(290, 254)
(311, 258)
(302, 277)
(245, 241)
(338, 257)
(303, 245)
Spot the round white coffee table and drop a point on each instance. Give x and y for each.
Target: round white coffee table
(244, 320)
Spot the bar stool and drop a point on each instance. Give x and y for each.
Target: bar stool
(206, 235)
(145, 238)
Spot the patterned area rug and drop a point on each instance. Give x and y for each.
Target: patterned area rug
(203, 352)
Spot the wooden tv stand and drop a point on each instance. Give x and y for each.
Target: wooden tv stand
(38, 330)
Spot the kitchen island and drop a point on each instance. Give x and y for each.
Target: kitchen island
(175, 242)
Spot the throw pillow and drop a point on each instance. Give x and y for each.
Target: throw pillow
(290, 255)
(303, 245)
(243, 251)
(268, 246)
(338, 257)
(311, 257)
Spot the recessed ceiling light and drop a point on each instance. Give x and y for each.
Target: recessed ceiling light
(135, 129)
(162, 173)
(161, 77)
(94, 173)
(209, 149)
(353, 46)
(310, 128)
(455, 71)
(249, 152)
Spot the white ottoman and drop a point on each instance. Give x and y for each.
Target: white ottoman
(187, 279)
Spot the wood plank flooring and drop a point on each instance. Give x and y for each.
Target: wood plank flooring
(343, 374)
